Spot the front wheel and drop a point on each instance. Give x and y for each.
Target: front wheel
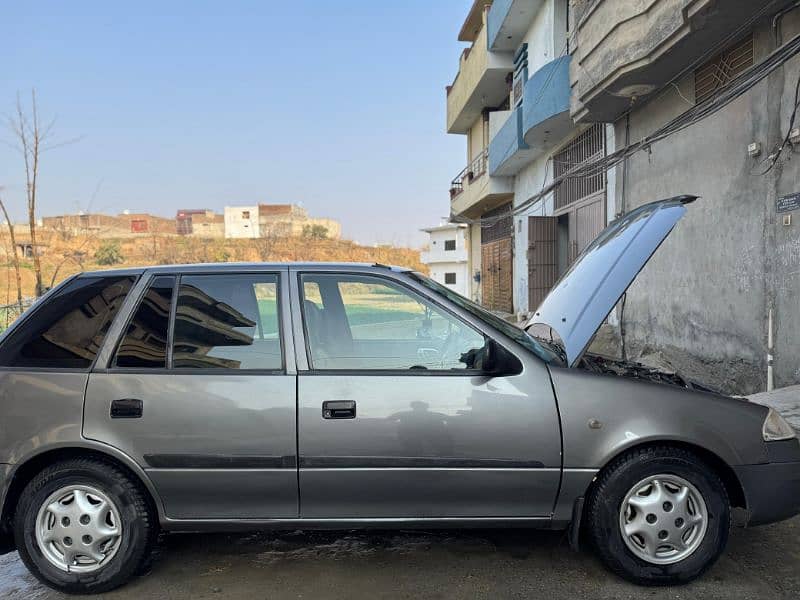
(659, 516)
(83, 526)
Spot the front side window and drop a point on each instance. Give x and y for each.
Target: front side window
(227, 322)
(363, 322)
(67, 330)
(145, 342)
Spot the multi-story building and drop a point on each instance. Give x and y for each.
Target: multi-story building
(522, 137)
(704, 96)
(448, 256)
(478, 89)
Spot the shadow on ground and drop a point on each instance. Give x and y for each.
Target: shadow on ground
(760, 563)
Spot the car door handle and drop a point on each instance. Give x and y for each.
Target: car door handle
(339, 409)
(126, 408)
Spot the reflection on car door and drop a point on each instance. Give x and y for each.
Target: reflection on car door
(395, 423)
(203, 398)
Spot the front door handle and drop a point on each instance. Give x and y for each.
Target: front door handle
(126, 408)
(339, 409)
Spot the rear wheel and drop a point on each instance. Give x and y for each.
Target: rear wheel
(659, 516)
(83, 526)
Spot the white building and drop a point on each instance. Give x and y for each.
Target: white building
(241, 221)
(448, 257)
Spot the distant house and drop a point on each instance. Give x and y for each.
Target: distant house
(448, 257)
(199, 222)
(105, 226)
(278, 220)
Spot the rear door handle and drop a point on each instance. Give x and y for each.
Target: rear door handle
(126, 408)
(339, 409)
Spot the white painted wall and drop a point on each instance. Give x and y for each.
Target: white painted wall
(241, 221)
(441, 261)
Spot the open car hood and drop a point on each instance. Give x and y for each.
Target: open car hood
(581, 300)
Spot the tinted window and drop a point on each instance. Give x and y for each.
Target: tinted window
(227, 322)
(145, 341)
(67, 329)
(358, 322)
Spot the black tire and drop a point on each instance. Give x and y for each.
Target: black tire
(614, 482)
(139, 525)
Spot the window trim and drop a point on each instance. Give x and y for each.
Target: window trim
(112, 360)
(311, 370)
(41, 301)
(171, 370)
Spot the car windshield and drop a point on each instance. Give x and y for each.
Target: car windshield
(548, 353)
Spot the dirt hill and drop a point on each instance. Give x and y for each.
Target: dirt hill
(65, 255)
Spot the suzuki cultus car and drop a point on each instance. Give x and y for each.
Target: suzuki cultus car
(250, 396)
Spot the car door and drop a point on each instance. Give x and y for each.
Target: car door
(200, 390)
(394, 421)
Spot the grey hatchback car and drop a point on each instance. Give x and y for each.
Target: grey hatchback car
(246, 396)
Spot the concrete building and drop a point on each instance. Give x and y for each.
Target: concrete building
(448, 256)
(200, 222)
(280, 220)
(706, 296)
(478, 88)
(512, 99)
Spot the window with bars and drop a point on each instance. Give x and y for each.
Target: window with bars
(450, 278)
(449, 245)
(588, 146)
(497, 224)
(722, 69)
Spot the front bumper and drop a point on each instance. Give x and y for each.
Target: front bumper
(772, 490)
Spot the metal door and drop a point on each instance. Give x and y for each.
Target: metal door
(542, 258)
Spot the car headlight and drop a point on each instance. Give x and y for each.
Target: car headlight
(776, 427)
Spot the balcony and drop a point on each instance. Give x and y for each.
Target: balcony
(541, 120)
(473, 192)
(626, 50)
(508, 21)
(480, 83)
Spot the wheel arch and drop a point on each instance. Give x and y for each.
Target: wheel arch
(23, 472)
(726, 473)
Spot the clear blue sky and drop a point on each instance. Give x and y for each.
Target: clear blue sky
(339, 105)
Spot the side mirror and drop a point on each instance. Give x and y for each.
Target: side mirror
(496, 360)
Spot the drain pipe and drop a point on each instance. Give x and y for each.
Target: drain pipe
(770, 381)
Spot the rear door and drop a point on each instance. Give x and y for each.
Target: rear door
(394, 421)
(200, 390)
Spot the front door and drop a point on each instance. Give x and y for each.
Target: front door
(396, 421)
(197, 392)
(542, 258)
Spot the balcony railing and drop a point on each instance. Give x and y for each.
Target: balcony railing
(472, 171)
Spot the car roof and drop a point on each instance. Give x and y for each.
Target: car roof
(239, 266)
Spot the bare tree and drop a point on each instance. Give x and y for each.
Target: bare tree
(14, 256)
(32, 138)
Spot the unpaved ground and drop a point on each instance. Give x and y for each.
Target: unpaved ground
(759, 563)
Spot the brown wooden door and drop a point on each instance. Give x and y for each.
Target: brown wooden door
(542, 258)
(497, 275)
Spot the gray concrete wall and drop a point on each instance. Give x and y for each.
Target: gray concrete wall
(702, 301)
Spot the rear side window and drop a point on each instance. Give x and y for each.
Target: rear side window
(67, 330)
(145, 342)
(227, 322)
